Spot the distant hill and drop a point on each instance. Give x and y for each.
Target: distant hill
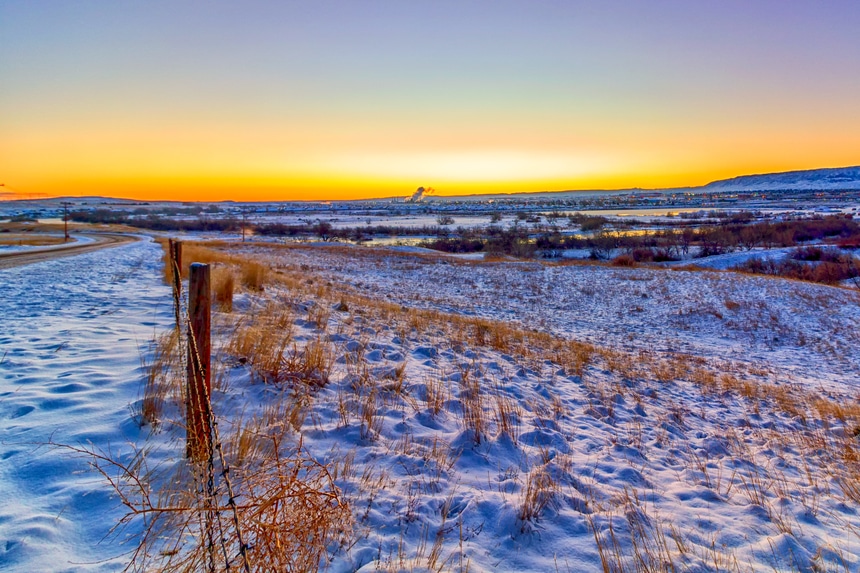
(813, 179)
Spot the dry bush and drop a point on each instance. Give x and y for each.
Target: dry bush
(289, 514)
(298, 513)
(276, 510)
(624, 261)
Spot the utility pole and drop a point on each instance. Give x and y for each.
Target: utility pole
(66, 221)
(244, 213)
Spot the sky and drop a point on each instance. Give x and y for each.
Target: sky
(345, 99)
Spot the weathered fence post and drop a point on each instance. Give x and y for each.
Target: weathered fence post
(199, 430)
(175, 256)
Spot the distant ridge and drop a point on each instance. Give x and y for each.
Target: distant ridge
(808, 180)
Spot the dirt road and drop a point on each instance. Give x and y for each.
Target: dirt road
(101, 241)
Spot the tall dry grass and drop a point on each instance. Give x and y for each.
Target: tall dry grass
(253, 275)
(223, 287)
(161, 375)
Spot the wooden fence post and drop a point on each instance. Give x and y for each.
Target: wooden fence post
(199, 430)
(175, 252)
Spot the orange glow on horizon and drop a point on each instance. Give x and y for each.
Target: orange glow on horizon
(250, 163)
(214, 189)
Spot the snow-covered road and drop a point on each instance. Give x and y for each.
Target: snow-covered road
(73, 330)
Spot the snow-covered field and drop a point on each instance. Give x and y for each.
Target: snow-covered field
(803, 330)
(482, 416)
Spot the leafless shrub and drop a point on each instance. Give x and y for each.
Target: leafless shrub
(283, 515)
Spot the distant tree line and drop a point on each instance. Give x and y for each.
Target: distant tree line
(736, 231)
(658, 245)
(154, 221)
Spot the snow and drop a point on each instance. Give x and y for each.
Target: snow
(73, 333)
(611, 449)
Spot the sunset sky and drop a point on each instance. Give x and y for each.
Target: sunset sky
(316, 99)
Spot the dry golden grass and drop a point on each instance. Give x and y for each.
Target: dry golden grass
(8, 227)
(507, 414)
(263, 348)
(223, 285)
(435, 395)
(529, 345)
(371, 421)
(193, 252)
(473, 405)
(253, 276)
(29, 239)
(311, 364)
(162, 373)
(540, 491)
